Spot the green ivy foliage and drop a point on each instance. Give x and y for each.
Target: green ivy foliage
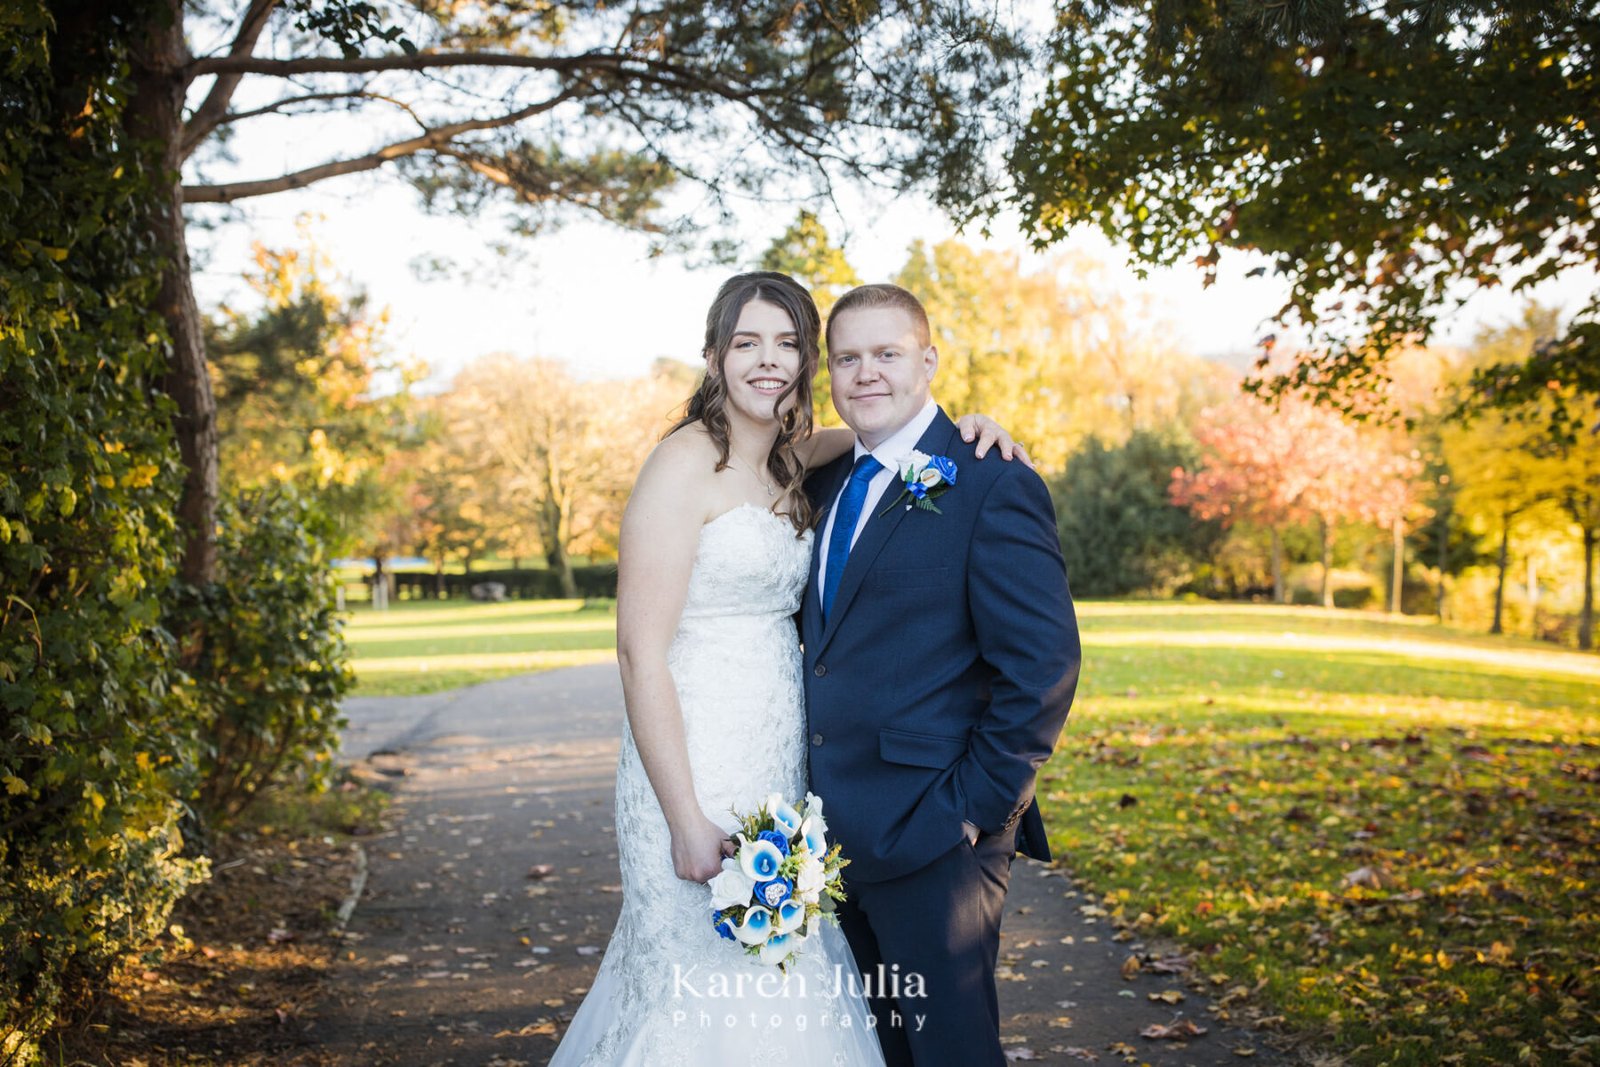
(272, 666)
(91, 768)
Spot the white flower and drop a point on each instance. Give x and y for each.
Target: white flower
(784, 817)
(814, 812)
(808, 883)
(758, 859)
(916, 460)
(930, 477)
(777, 949)
(756, 927)
(815, 833)
(791, 914)
(731, 887)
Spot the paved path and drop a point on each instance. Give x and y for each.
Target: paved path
(491, 897)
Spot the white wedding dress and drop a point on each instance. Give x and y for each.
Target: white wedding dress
(670, 992)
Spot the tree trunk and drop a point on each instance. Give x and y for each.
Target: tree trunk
(380, 583)
(1278, 592)
(1586, 616)
(1327, 563)
(1498, 626)
(1398, 576)
(155, 113)
(1444, 559)
(561, 563)
(438, 578)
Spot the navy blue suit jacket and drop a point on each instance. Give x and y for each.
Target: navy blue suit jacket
(943, 676)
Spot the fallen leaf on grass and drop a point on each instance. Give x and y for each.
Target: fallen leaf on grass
(1365, 876)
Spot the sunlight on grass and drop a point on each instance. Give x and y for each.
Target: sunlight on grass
(1391, 830)
(430, 646)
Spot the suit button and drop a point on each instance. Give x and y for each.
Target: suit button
(816, 739)
(820, 671)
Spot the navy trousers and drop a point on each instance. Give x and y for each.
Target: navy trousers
(941, 922)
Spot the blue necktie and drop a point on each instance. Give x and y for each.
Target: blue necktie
(844, 526)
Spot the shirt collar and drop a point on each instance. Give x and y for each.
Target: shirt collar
(897, 448)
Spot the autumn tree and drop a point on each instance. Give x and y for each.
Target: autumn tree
(1054, 354)
(1272, 468)
(548, 109)
(447, 494)
(1385, 158)
(562, 452)
(1499, 479)
(1575, 488)
(307, 391)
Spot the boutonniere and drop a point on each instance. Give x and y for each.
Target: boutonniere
(925, 479)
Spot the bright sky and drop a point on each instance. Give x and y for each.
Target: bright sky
(590, 295)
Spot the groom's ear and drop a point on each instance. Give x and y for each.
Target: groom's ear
(931, 359)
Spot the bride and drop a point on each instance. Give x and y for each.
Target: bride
(712, 564)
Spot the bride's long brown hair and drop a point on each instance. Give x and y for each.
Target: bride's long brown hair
(708, 405)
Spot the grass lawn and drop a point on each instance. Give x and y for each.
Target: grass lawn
(1385, 829)
(424, 646)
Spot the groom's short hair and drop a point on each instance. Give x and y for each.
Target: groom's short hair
(863, 297)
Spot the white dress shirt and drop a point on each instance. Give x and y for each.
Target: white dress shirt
(893, 453)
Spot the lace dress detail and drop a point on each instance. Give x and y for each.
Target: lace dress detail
(670, 992)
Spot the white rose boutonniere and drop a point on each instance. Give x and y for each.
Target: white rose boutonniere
(924, 479)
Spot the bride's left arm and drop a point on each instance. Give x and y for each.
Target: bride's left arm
(825, 446)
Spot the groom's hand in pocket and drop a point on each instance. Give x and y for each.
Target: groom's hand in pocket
(971, 831)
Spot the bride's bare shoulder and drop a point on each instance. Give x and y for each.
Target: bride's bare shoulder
(684, 460)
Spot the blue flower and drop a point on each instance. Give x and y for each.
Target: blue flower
(774, 892)
(723, 926)
(778, 840)
(946, 468)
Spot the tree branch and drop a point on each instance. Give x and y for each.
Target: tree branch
(279, 105)
(284, 68)
(431, 139)
(209, 114)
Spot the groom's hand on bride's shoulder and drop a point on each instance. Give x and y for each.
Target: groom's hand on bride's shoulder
(989, 433)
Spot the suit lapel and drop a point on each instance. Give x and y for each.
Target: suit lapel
(875, 534)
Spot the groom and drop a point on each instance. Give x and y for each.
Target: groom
(941, 655)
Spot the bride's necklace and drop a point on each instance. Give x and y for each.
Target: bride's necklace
(771, 489)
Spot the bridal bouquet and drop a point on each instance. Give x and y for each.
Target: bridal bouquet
(777, 886)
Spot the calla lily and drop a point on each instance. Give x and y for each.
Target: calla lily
(756, 927)
(759, 860)
(783, 814)
(814, 812)
(791, 915)
(779, 946)
(815, 833)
